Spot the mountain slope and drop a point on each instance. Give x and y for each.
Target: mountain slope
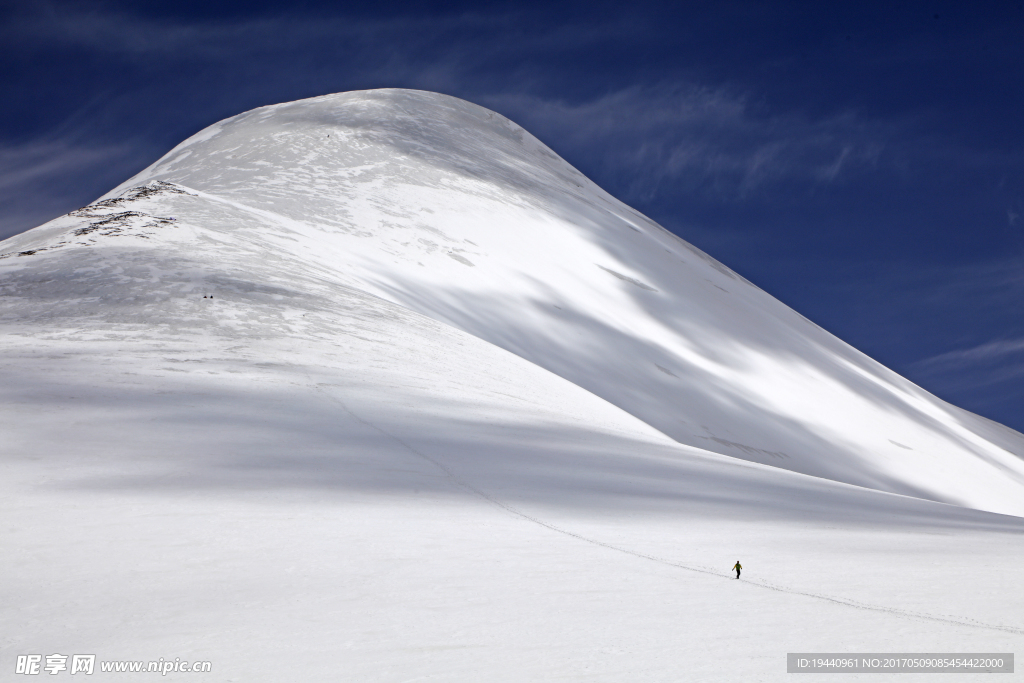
(455, 212)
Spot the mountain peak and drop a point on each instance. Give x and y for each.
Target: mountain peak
(452, 211)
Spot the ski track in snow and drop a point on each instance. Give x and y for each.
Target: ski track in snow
(475, 490)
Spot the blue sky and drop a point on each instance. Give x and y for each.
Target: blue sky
(863, 163)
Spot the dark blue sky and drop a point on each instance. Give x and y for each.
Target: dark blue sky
(863, 163)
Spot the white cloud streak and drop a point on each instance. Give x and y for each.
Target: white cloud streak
(995, 351)
(999, 362)
(704, 139)
(44, 179)
(26, 165)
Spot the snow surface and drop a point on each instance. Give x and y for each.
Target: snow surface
(455, 413)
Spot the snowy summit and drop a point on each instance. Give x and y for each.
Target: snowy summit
(357, 373)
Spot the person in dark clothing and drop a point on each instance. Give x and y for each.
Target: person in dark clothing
(737, 567)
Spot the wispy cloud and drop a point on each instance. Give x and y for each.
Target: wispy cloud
(702, 139)
(986, 371)
(44, 179)
(990, 352)
(26, 165)
(129, 34)
(979, 298)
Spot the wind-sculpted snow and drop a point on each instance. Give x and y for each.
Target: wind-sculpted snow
(455, 212)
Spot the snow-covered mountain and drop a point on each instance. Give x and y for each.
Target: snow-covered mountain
(455, 212)
(374, 386)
